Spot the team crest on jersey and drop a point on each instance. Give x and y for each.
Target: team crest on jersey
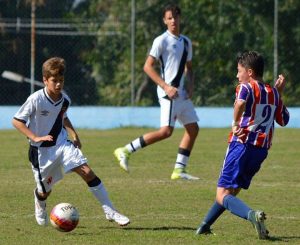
(45, 113)
(174, 46)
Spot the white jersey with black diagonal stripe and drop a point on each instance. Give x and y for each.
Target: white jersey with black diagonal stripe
(43, 116)
(169, 50)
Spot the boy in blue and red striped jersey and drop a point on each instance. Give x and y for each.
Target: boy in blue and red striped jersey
(257, 106)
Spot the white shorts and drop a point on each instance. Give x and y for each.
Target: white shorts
(48, 163)
(177, 109)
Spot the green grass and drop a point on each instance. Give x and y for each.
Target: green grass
(161, 211)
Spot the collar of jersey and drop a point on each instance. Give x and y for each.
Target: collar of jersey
(174, 36)
(50, 100)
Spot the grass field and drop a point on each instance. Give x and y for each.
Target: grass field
(161, 211)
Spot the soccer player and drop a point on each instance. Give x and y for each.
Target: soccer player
(257, 106)
(43, 120)
(174, 52)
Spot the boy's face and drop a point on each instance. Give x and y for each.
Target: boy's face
(172, 22)
(243, 74)
(54, 85)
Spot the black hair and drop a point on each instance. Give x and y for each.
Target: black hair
(252, 60)
(173, 8)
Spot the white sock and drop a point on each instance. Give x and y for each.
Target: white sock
(181, 161)
(101, 194)
(135, 145)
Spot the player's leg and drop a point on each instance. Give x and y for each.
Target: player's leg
(123, 153)
(212, 215)
(228, 170)
(41, 215)
(42, 190)
(99, 191)
(188, 117)
(241, 164)
(239, 208)
(167, 122)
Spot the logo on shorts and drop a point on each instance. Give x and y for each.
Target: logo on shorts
(44, 113)
(49, 180)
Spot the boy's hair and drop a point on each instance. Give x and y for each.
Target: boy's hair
(173, 8)
(252, 60)
(53, 67)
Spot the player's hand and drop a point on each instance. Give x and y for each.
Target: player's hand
(237, 131)
(38, 139)
(280, 83)
(171, 91)
(77, 143)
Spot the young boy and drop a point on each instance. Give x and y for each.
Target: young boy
(43, 120)
(257, 106)
(174, 51)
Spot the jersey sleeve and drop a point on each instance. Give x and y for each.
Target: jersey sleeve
(25, 111)
(68, 98)
(190, 51)
(156, 49)
(282, 115)
(241, 92)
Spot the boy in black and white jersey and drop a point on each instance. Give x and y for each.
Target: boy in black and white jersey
(43, 120)
(174, 52)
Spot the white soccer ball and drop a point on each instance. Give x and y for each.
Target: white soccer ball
(64, 217)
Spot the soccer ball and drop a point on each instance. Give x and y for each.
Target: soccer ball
(64, 217)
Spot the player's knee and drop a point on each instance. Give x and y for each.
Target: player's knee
(194, 130)
(42, 195)
(219, 199)
(166, 133)
(89, 175)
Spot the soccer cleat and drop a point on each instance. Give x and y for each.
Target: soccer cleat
(122, 154)
(204, 229)
(180, 173)
(257, 219)
(113, 215)
(41, 215)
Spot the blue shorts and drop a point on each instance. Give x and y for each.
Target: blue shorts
(241, 163)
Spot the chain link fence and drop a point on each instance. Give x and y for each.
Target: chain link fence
(53, 37)
(105, 61)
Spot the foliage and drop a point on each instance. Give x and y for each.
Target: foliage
(99, 67)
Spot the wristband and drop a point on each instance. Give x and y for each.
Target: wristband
(234, 123)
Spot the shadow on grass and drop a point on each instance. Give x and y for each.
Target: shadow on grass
(284, 238)
(163, 228)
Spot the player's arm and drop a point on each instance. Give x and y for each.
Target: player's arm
(239, 108)
(151, 72)
(72, 133)
(189, 74)
(282, 115)
(280, 84)
(21, 126)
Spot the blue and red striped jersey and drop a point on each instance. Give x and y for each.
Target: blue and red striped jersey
(263, 107)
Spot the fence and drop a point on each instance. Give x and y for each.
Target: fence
(105, 53)
(52, 38)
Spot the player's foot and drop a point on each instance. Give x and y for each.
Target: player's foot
(180, 173)
(122, 154)
(41, 215)
(113, 215)
(257, 219)
(204, 229)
